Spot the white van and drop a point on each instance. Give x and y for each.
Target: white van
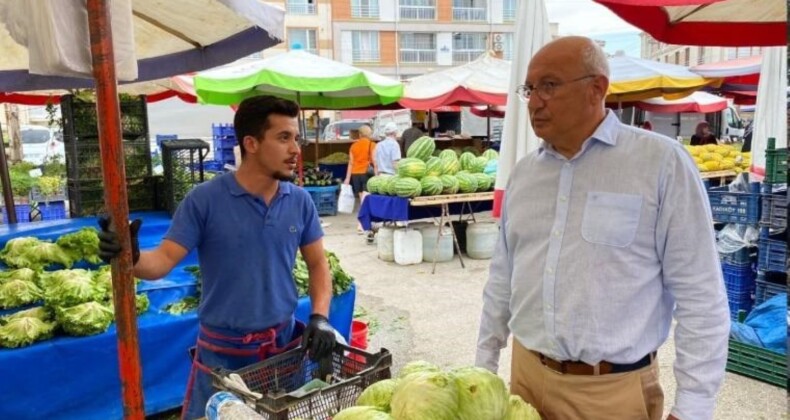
(39, 143)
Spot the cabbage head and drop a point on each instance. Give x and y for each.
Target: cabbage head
(85, 319)
(482, 395)
(39, 312)
(81, 245)
(23, 331)
(519, 410)
(378, 395)
(71, 287)
(417, 366)
(425, 396)
(361, 413)
(16, 293)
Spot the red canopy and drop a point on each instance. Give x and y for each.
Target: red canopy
(725, 23)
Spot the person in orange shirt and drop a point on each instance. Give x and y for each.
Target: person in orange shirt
(361, 164)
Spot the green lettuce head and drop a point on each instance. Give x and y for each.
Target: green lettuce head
(361, 413)
(23, 331)
(519, 410)
(417, 366)
(378, 395)
(425, 396)
(88, 318)
(481, 394)
(16, 293)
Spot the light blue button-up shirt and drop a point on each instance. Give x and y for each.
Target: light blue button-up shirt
(597, 251)
(387, 153)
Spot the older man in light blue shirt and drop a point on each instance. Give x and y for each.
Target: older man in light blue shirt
(388, 151)
(606, 233)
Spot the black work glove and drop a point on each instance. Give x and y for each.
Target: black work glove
(110, 247)
(319, 337)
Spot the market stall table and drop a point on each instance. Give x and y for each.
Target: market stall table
(723, 176)
(77, 377)
(379, 208)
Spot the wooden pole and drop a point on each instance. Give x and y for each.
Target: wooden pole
(115, 199)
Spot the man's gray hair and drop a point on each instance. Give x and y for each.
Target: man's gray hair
(595, 60)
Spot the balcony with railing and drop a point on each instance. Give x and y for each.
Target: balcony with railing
(466, 56)
(365, 56)
(365, 11)
(470, 14)
(418, 12)
(301, 8)
(418, 56)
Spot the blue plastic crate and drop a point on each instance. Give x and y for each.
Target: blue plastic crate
(734, 207)
(739, 302)
(738, 279)
(224, 156)
(338, 170)
(222, 130)
(162, 137)
(22, 213)
(213, 166)
(225, 142)
(765, 290)
(774, 211)
(53, 210)
(325, 199)
(744, 256)
(772, 255)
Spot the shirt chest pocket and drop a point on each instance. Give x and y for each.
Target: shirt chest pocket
(611, 218)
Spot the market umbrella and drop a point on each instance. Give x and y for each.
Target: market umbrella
(738, 72)
(770, 117)
(313, 81)
(701, 102)
(484, 81)
(95, 18)
(518, 138)
(635, 79)
(154, 91)
(723, 23)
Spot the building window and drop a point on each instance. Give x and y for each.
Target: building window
(507, 46)
(742, 52)
(368, 9)
(677, 57)
(509, 9)
(468, 46)
(305, 39)
(301, 7)
(469, 10)
(365, 46)
(417, 48)
(700, 55)
(687, 57)
(417, 9)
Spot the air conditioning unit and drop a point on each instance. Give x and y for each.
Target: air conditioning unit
(497, 43)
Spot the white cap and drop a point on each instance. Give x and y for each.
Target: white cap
(391, 128)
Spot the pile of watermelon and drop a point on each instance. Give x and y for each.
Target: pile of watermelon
(427, 172)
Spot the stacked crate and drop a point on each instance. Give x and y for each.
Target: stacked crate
(224, 140)
(183, 168)
(83, 157)
(772, 261)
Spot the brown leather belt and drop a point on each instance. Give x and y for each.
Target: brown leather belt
(581, 368)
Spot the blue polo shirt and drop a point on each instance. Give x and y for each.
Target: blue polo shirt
(246, 250)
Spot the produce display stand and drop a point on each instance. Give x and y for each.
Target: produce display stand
(82, 376)
(723, 176)
(444, 202)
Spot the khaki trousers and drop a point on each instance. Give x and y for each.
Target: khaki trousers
(635, 395)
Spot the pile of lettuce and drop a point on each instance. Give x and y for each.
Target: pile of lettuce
(423, 391)
(341, 280)
(37, 254)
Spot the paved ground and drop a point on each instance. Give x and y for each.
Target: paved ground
(417, 315)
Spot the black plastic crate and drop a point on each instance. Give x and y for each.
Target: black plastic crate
(774, 211)
(183, 168)
(83, 160)
(87, 198)
(80, 119)
(351, 371)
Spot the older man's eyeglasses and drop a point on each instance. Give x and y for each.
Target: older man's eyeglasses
(545, 90)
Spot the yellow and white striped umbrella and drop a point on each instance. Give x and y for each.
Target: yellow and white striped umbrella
(635, 79)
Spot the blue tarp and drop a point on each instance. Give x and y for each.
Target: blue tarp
(766, 325)
(77, 378)
(380, 208)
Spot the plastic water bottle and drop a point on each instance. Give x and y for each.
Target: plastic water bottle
(226, 406)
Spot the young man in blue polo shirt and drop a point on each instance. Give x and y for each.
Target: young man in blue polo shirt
(247, 227)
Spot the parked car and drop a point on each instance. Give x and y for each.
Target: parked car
(40, 143)
(340, 130)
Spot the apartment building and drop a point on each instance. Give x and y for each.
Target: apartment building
(690, 56)
(308, 26)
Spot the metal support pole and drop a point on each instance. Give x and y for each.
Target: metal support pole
(115, 198)
(8, 194)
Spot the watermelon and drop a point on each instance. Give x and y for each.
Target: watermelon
(466, 160)
(478, 165)
(433, 167)
(431, 185)
(386, 185)
(450, 166)
(448, 154)
(491, 154)
(467, 183)
(491, 167)
(458, 151)
(411, 168)
(406, 187)
(376, 184)
(472, 150)
(422, 148)
(483, 182)
(449, 184)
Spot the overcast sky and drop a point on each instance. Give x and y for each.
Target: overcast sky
(585, 17)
